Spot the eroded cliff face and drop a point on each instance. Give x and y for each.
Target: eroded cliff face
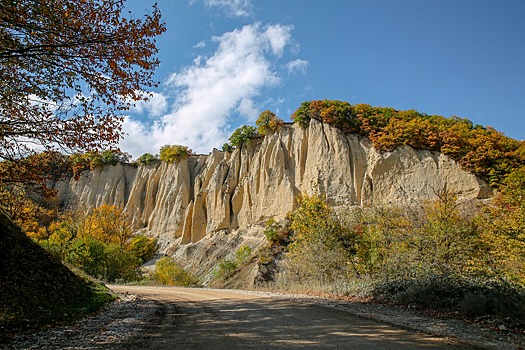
(185, 201)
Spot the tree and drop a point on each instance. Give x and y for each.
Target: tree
(504, 230)
(243, 135)
(68, 68)
(173, 153)
(321, 248)
(268, 122)
(339, 114)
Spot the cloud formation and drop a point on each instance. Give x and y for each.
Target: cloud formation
(297, 66)
(233, 8)
(156, 105)
(206, 93)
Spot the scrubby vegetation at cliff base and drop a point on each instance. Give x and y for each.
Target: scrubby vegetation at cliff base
(436, 256)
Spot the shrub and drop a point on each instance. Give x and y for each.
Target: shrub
(271, 230)
(120, 264)
(109, 262)
(276, 233)
(337, 113)
(268, 123)
(88, 255)
(100, 243)
(143, 247)
(147, 158)
(170, 273)
(93, 160)
(242, 255)
(503, 231)
(174, 153)
(473, 298)
(243, 135)
(321, 249)
(407, 243)
(227, 148)
(226, 269)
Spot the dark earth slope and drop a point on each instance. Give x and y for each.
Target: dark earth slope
(35, 288)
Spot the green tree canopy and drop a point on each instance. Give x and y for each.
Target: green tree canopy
(243, 135)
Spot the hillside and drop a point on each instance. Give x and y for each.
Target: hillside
(37, 289)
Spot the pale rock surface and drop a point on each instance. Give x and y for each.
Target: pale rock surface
(182, 203)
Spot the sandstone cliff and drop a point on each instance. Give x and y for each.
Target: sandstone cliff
(183, 202)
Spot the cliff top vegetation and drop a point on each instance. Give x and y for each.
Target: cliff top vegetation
(481, 150)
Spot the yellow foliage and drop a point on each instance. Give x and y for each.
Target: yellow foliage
(109, 224)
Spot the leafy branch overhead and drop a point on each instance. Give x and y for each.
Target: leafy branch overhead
(68, 68)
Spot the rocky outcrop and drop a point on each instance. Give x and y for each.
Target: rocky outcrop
(185, 201)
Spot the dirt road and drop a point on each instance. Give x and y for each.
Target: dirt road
(216, 319)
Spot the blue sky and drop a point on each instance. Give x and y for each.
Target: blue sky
(225, 61)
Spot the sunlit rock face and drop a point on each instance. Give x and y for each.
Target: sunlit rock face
(185, 201)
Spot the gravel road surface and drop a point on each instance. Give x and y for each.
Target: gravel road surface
(148, 317)
(219, 319)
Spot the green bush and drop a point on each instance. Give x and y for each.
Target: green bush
(170, 273)
(120, 264)
(276, 233)
(143, 247)
(88, 255)
(337, 113)
(243, 135)
(109, 262)
(227, 148)
(321, 249)
(226, 269)
(93, 160)
(271, 231)
(174, 153)
(471, 297)
(147, 158)
(242, 255)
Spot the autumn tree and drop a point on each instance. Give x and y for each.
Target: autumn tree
(68, 68)
(174, 153)
(504, 230)
(110, 224)
(321, 247)
(268, 122)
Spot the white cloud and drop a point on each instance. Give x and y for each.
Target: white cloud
(233, 8)
(297, 65)
(207, 92)
(137, 138)
(278, 37)
(201, 44)
(156, 105)
(248, 110)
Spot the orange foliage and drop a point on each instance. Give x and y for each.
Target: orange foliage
(68, 68)
(482, 150)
